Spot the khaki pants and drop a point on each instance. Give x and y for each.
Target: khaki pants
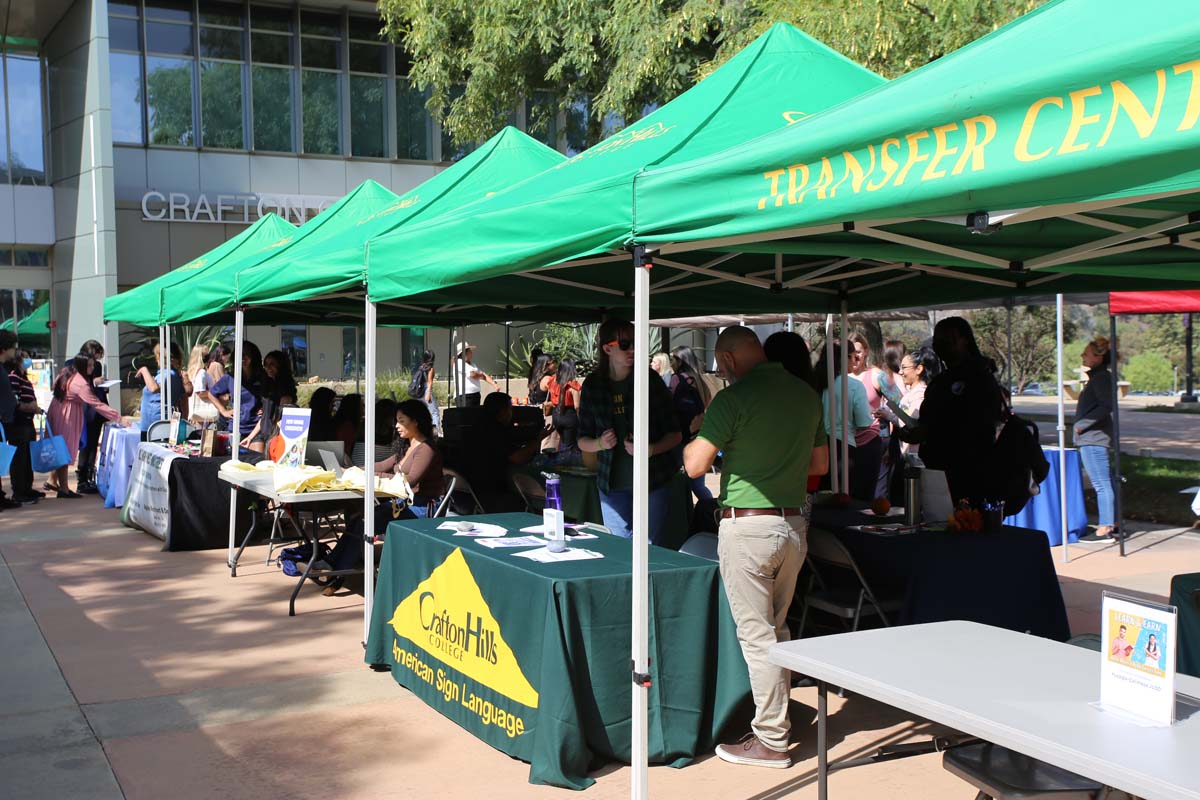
(760, 559)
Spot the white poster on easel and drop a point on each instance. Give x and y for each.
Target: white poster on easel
(1137, 675)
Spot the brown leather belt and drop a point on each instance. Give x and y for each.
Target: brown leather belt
(731, 513)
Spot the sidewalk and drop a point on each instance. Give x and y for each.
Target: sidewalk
(1166, 435)
(135, 673)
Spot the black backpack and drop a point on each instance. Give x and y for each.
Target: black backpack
(416, 386)
(1018, 464)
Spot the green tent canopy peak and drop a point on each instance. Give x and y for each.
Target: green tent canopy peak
(143, 305)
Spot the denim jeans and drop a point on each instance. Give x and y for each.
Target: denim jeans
(1095, 461)
(617, 508)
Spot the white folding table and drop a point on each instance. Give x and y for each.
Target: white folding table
(263, 485)
(1023, 692)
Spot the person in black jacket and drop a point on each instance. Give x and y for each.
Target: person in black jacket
(8, 399)
(1093, 431)
(963, 409)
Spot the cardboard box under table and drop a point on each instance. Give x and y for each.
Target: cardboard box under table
(534, 658)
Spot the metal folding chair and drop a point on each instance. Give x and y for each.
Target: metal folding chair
(847, 600)
(461, 485)
(701, 545)
(532, 492)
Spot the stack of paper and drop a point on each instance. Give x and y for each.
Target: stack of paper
(479, 529)
(544, 556)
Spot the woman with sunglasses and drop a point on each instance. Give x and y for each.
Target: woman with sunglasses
(606, 427)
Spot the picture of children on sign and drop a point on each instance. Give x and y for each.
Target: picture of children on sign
(293, 426)
(1139, 642)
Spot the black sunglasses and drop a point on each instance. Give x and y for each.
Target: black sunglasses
(624, 344)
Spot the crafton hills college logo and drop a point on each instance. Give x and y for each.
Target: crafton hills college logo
(447, 617)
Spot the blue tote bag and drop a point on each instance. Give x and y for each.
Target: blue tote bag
(7, 451)
(49, 452)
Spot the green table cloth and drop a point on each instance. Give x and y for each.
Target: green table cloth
(534, 659)
(581, 502)
(1185, 595)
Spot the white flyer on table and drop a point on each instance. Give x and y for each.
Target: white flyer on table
(573, 532)
(1137, 659)
(511, 541)
(545, 556)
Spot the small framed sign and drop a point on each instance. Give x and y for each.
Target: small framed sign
(1137, 658)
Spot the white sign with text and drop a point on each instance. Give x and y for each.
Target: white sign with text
(1137, 672)
(148, 502)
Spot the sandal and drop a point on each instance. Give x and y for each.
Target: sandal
(49, 487)
(67, 494)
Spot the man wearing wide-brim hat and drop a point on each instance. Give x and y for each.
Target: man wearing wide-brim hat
(467, 376)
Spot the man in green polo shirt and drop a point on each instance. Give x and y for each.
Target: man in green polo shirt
(768, 426)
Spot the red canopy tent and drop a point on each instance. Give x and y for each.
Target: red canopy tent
(1175, 302)
(1180, 302)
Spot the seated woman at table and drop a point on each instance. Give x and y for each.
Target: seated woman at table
(251, 391)
(493, 448)
(181, 387)
(72, 392)
(278, 390)
(347, 420)
(864, 466)
(421, 466)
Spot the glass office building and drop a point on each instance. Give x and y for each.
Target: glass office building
(136, 135)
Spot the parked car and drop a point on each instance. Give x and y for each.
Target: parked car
(1033, 390)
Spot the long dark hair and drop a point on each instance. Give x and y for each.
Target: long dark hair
(822, 371)
(686, 363)
(493, 404)
(538, 370)
(894, 352)
(789, 349)
(418, 412)
(963, 328)
(80, 365)
(219, 353)
(284, 367)
(427, 359)
(566, 375)
(385, 423)
(610, 329)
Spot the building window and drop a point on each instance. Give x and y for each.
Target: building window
(272, 78)
(541, 118)
(293, 341)
(25, 154)
(221, 76)
(368, 60)
(125, 68)
(321, 49)
(414, 125)
(352, 347)
(170, 72)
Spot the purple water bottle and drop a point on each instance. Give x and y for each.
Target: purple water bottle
(553, 497)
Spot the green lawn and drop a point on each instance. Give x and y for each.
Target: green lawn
(1152, 489)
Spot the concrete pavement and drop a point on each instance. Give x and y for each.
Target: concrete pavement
(1166, 435)
(130, 672)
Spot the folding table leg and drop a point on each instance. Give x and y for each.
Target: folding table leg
(307, 568)
(822, 742)
(245, 541)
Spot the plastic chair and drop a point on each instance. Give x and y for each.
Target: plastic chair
(701, 545)
(532, 492)
(847, 602)
(162, 430)
(462, 485)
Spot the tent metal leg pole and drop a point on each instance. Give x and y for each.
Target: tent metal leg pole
(1116, 416)
(1008, 373)
(451, 381)
(369, 467)
(639, 779)
(835, 481)
(162, 367)
(507, 354)
(164, 391)
(845, 401)
(235, 434)
(1062, 432)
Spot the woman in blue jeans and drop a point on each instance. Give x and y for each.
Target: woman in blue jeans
(606, 428)
(1093, 431)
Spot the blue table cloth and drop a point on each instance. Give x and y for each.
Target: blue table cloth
(1043, 513)
(117, 453)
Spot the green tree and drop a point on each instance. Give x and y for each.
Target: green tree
(617, 57)
(1149, 372)
(1034, 348)
(169, 100)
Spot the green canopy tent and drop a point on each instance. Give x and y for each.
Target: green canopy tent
(143, 304)
(32, 325)
(990, 172)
